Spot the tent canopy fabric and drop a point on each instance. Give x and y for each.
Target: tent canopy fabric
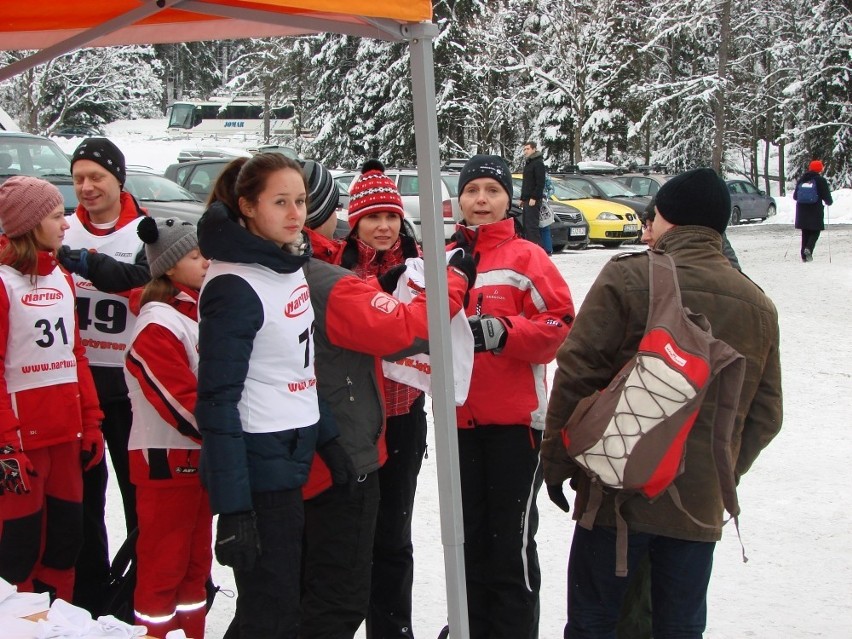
(37, 25)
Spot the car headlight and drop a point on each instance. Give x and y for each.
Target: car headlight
(607, 216)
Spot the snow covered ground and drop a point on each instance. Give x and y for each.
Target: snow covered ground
(796, 525)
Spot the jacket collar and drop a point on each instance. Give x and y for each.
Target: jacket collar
(221, 237)
(689, 236)
(485, 235)
(130, 210)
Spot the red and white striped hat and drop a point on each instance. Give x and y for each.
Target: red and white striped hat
(373, 192)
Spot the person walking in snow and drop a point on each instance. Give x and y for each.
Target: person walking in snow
(812, 195)
(49, 415)
(173, 549)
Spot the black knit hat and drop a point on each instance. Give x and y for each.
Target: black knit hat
(698, 197)
(103, 152)
(323, 196)
(490, 166)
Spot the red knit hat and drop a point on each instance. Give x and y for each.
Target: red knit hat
(24, 202)
(373, 192)
(816, 166)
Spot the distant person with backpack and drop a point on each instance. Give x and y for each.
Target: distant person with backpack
(161, 368)
(810, 194)
(692, 210)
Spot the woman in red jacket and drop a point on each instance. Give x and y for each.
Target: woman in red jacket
(374, 246)
(175, 523)
(520, 310)
(49, 414)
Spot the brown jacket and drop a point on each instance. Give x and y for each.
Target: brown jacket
(606, 335)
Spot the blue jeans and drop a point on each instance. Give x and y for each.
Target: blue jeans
(680, 574)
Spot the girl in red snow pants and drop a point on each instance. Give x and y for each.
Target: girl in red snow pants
(173, 550)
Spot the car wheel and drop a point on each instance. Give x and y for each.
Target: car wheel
(770, 211)
(610, 243)
(735, 216)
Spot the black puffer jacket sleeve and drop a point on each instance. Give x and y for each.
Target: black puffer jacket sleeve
(230, 317)
(111, 276)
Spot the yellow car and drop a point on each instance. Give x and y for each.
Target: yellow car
(610, 223)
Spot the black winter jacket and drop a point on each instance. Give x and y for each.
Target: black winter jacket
(532, 188)
(235, 464)
(811, 217)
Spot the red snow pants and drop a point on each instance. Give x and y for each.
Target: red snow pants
(41, 532)
(174, 556)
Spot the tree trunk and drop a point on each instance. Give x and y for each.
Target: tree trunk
(782, 178)
(722, 73)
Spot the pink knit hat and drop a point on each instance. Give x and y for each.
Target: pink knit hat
(24, 202)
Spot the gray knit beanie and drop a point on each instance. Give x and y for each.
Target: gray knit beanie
(167, 240)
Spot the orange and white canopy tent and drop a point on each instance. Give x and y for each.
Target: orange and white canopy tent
(58, 26)
(55, 27)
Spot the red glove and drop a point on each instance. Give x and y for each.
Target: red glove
(15, 471)
(91, 447)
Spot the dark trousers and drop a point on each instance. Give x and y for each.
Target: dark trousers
(268, 595)
(635, 619)
(680, 574)
(93, 564)
(340, 526)
(500, 478)
(809, 240)
(393, 553)
(532, 232)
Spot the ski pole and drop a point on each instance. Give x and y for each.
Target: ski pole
(788, 247)
(827, 234)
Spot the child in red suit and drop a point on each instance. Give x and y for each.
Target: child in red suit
(175, 523)
(49, 414)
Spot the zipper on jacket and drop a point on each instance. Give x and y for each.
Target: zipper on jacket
(479, 304)
(349, 388)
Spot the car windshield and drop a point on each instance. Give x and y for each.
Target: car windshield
(36, 157)
(612, 188)
(563, 191)
(154, 188)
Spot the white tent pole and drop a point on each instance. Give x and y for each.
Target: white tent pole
(420, 37)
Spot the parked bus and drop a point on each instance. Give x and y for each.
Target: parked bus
(223, 116)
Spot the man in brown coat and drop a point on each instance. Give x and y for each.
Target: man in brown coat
(692, 211)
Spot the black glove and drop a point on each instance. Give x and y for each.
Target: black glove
(74, 260)
(237, 540)
(557, 496)
(339, 463)
(389, 279)
(489, 333)
(465, 263)
(15, 471)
